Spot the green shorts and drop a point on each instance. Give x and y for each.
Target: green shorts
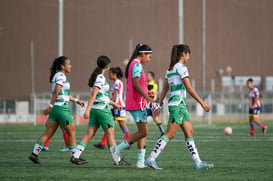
(139, 116)
(101, 117)
(179, 114)
(61, 114)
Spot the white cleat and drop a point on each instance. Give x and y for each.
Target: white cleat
(140, 165)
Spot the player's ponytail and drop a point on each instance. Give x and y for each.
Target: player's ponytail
(102, 62)
(140, 48)
(177, 53)
(56, 66)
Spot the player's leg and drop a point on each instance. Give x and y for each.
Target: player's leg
(45, 147)
(123, 127)
(102, 143)
(65, 137)
(140, 118)
(161, 144)
(189, 141)
(159, 124)
(51, 127)
(90, 133)
(251, 124)
(141, 148)
(258, 123)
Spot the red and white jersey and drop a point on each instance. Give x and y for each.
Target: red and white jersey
(253, 94)
(118, 86)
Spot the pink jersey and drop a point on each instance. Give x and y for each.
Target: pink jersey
(134, 101)
(253, 94)
(118, 86)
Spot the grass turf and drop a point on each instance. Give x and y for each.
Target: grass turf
(236, 157)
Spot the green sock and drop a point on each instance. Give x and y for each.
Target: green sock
(141, 155)
(123, 145)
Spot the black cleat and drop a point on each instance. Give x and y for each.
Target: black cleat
(78, 161)
(100, 146)
(34, 159)
(122, 162)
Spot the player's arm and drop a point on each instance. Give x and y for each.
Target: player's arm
(114, 95)
(80, 102)
(162, 96)
(164, 91)
(192, 92)
(91, 100)
(139, 89)
(57, 89)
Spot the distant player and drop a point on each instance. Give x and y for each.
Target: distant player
(152, 92)
(117, 97)
(254, 108)
(177, 82)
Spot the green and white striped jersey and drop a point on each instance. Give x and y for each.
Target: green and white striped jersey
(102, 98)
(63, 96)
(177, 89)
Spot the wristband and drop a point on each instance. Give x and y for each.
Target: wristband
(76, 100)
(50, 105)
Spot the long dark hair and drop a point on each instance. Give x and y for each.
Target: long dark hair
(140, 48)
(177, 52)
(56, 66)
(117, 71)
(102, 62)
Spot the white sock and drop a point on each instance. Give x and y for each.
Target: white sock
(193, 150)
(115, 153)
(158, 148)
(76, 153)
(37, 148)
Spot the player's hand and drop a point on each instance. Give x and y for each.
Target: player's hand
(81, 103)
(156, 112)
(47, 110)
(86, 114)
(206, 107)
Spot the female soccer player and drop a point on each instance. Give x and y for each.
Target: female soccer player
(98, 110)
(137, 100)
(254, 108)
(58, 110)
(178, 82)
(117, 90)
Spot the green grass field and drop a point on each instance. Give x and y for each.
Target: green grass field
(236, 157)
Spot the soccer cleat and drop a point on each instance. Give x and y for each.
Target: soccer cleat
(152, 165)
(45, 148)
(100, 146)
(203, 165)
(65, 149)
(34, 159)
(251, 134)
(140, 164)
(122, 162)
(78, 161)
(264, 130)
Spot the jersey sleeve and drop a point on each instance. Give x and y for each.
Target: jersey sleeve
(137, 70)
(183, 71)
(99, 81)
(60, 79)
(256, 92)
(117, 85)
